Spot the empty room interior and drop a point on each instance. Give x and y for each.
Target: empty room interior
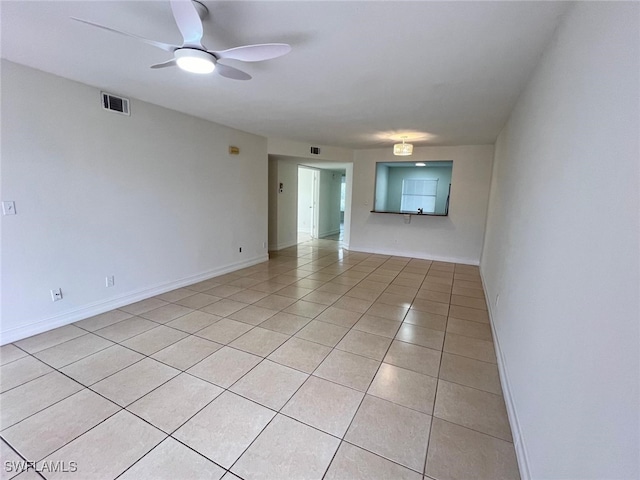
(320, 240)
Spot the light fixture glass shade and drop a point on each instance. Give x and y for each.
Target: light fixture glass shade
(194, 61)
(403, 149)
(421, 164)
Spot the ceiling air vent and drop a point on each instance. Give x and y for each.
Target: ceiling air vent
(115, 104)
(315, 150)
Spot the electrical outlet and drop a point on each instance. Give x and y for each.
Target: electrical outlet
(56, 294)
(9, 208)
(110, 281)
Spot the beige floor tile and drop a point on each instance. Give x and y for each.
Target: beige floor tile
(253, 315)
(348, 369)
(470, 302)
(204, 285)
(275, 302)
(199, 300)
(340, 317)
(456, 453)
(388, 312)
(224, 291)
(170, 405)
(120, 331)
(175, 295)
(108, 449)
(392, 431)
(154, 340)
(421, 336)
(100, 365)
(21, 371)
(353, 304)
(281, 451)
(49, 339)
(439, 278)
(247, 296)
(10, 353)
(268, 287)
(73, 350)
(166, 313)
(470, 347)
(259, 341)
(300, 354)
(295, 291)
(270, 384)
(225, 366)
(404, 387)
(435, 286)
(365, 293)
(11, 469)
(430, 295)
(224, 307)
(470, 372)
(401, 290)
(305, 309)
(393, 299)
(467, 284)
(466, 313)
(245, 282)
(225, 428)
(472, 408)
(143, 306)
(224, 331)
(377, 326)
(430, 307)
(354, 463)
(365, 344)
(29, 398)
(133, 382)
(332, 287)
(103, 320)
(172, 460)
(468, 328)
(321, 332)
(468, 292)
(414, 357)
(324, 405)
(53, 427)
(285, 323)
(426, 320)
(194, 321)
(324, 298)
(187, 352)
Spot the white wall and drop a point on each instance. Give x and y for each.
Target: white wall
(562, 251)
(283, 219)
(457, 237)
(153, 199)
(329, 203)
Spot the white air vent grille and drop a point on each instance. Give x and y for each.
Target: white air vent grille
(114, 103)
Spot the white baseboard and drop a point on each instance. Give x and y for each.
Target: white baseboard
(329, 233)
(281, 246)
(421, 255)
(97, 308)
(516, 433)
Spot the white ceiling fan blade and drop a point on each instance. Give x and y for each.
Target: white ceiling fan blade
(230, 72)
(188, 22)
(164, 46)
(168, 63)
(254, 53)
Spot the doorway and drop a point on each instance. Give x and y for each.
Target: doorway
(308, 192)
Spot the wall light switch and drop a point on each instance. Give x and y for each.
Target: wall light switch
(9, 208)
(56, 294)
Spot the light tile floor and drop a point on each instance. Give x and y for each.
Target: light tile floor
(320, 363)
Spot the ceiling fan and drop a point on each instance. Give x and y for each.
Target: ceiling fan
(194, 57)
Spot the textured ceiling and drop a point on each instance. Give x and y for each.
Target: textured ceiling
(360, 73)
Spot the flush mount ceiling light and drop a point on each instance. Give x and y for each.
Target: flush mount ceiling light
(194, 61)
(403, 149)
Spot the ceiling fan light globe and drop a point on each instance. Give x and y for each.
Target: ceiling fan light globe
(195, 61)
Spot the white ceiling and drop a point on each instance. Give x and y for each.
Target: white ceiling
(360, 73)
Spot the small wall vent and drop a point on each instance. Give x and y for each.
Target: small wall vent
(315, 150)
(115, 104)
